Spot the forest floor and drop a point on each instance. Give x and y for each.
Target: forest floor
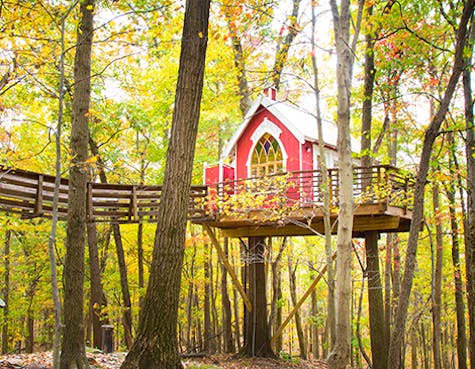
(43, 360)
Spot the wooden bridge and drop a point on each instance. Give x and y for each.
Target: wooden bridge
(280, 204)
(30, 194)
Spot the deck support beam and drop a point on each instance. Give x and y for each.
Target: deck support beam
(300, 302)
(228, 266)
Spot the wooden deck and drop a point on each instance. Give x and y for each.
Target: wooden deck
(290, 204)
(282, 204)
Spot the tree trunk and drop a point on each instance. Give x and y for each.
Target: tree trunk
(215, 339)
(340, 355)
(124, 286)
(437, 281)
(414, 347)
(6, 290)
(140, 260)
(30, 328)
(379, 340)
(124, 283)
(156, 343)
(469, 229)
(257, 329)
(314, 333)
(73, 355)
(283, 47)
(325, 185)
(459, 293)
(293, 296)
(97, 302)
(245, 101)
(275, 320)
(394, 359)
(227, 318)
(208, 332)
(387, 284)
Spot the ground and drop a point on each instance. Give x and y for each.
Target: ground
(113, 361)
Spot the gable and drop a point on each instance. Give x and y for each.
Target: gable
(299, 122)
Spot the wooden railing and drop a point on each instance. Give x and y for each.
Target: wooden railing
(31, 195)
(381, 184)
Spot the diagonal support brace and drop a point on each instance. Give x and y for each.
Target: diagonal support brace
(301, 301)
(228, 266)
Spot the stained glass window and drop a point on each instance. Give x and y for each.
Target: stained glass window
(267, 157)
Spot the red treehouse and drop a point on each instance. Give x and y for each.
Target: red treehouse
(269, 183)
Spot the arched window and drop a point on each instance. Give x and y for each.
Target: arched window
(267, 157)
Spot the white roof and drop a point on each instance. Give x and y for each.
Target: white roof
(300, 122)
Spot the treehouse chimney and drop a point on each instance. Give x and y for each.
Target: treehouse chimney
(271, 93)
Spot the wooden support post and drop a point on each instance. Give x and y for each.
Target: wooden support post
(133, 212)
(89, 205)
(39, 197)
(228, 266)
(300, 302)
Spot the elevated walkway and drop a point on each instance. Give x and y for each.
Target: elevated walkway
(286, 204)
(30, 194)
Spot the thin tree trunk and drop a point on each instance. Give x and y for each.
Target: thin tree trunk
(387, 284)
(395, 348)
(437, 281)
(140, 259)
(459, 293)
(414, 347)
(124, 283)
(293, 296)
(469, 229)
(314, 327)
(215, 340)
(30, 328)
(124, 286)
(73, 355)
(97, 302)
(226, 303)
(283, 47)
(325, 186)
(207, 302)
(6, 290)
(54, 221)
(276, 306)
(245, 101)
(341, 353)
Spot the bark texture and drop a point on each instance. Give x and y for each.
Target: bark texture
(470, 217)
(379, 340)
(98, 299)
(156, 344)
(228, 344)
(73, 355)
(6, 290)
(257, 341)
(340, 354)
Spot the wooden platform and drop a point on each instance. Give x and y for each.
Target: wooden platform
(290, 204)
(284, 204)
(309, 221)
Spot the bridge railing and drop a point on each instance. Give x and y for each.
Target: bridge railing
(30, 194)
(380, 184)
